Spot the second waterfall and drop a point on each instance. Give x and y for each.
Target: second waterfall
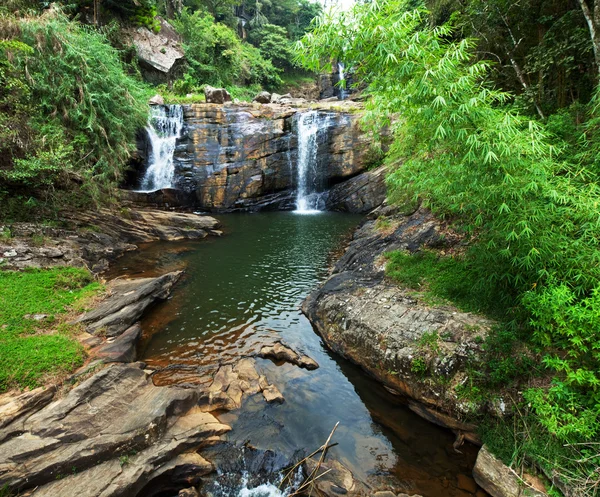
(312, 127)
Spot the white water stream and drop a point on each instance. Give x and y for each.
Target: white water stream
(164, 128)
(308, 197)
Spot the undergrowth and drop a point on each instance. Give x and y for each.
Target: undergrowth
(33, 348)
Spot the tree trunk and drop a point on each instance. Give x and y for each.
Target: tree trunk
(592, 18)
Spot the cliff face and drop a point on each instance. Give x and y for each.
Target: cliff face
(244, 157)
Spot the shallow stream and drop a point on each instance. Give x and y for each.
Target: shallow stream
(241, 290)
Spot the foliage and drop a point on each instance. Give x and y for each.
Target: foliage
(273, 44)
(67, 108)
(30, 349)
(218, 57)
(466, 154)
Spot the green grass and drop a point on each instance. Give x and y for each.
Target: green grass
(31, 350)
(438, 278)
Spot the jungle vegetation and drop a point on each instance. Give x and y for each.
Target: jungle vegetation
(493, 106)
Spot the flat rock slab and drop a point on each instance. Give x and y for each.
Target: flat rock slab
(111, 434)
(94, 238)
(127, 301)
(122, 348)
(231, 383)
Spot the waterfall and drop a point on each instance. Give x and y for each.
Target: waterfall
(308, 196)
(342, 77)
(164, 128)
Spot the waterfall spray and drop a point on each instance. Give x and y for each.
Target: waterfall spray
(164, 128)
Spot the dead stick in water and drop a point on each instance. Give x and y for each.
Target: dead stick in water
(323, 449)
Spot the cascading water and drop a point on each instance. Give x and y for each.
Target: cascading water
(164, 128)
(342, 77)
(308, 196)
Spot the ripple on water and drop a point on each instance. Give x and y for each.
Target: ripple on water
(245, 289)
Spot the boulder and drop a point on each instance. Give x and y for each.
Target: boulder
(499, 480)
(333, 479)
(156, 100)
(216, 95)
(109, 436)
(93, 238)
(360, 194)
(264, 97)
(160, 55)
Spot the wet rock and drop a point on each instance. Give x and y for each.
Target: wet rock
(156, 100)
(336, 479)
(112, 434)
(231, 383)
(272, 395)
(127, 301)
(360, 194)
(264, 97)
(385, 493)
(216, 95)
(380, 326)
(240, 157)
(123, 348)
(497, 479)
(281, 352)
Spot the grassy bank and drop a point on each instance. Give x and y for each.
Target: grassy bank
(36, 341)
(511, 366)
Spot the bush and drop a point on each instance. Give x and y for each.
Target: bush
(218, 57)
(466, 154)
(68, 109)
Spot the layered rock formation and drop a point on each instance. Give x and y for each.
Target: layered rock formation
(242, 157)
(94, 238)
(381, 326)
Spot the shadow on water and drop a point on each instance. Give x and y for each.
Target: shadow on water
(245, 289)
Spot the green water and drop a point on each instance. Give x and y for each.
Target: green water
(244, 289)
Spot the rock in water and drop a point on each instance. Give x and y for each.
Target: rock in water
(264, 97)
(216, 95)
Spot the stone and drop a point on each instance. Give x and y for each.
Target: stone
(127, 301)
(378, 325)
(13, 407)
(336, 479)
(216, 95)
(282, 352)
(360, 194)
(264, 97)
(111, 435)
(497, 479)
(273, 395)
(466, 483)
(123, 348)
(160, 55)
(156, 100)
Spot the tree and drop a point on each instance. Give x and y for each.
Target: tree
(591, 12)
